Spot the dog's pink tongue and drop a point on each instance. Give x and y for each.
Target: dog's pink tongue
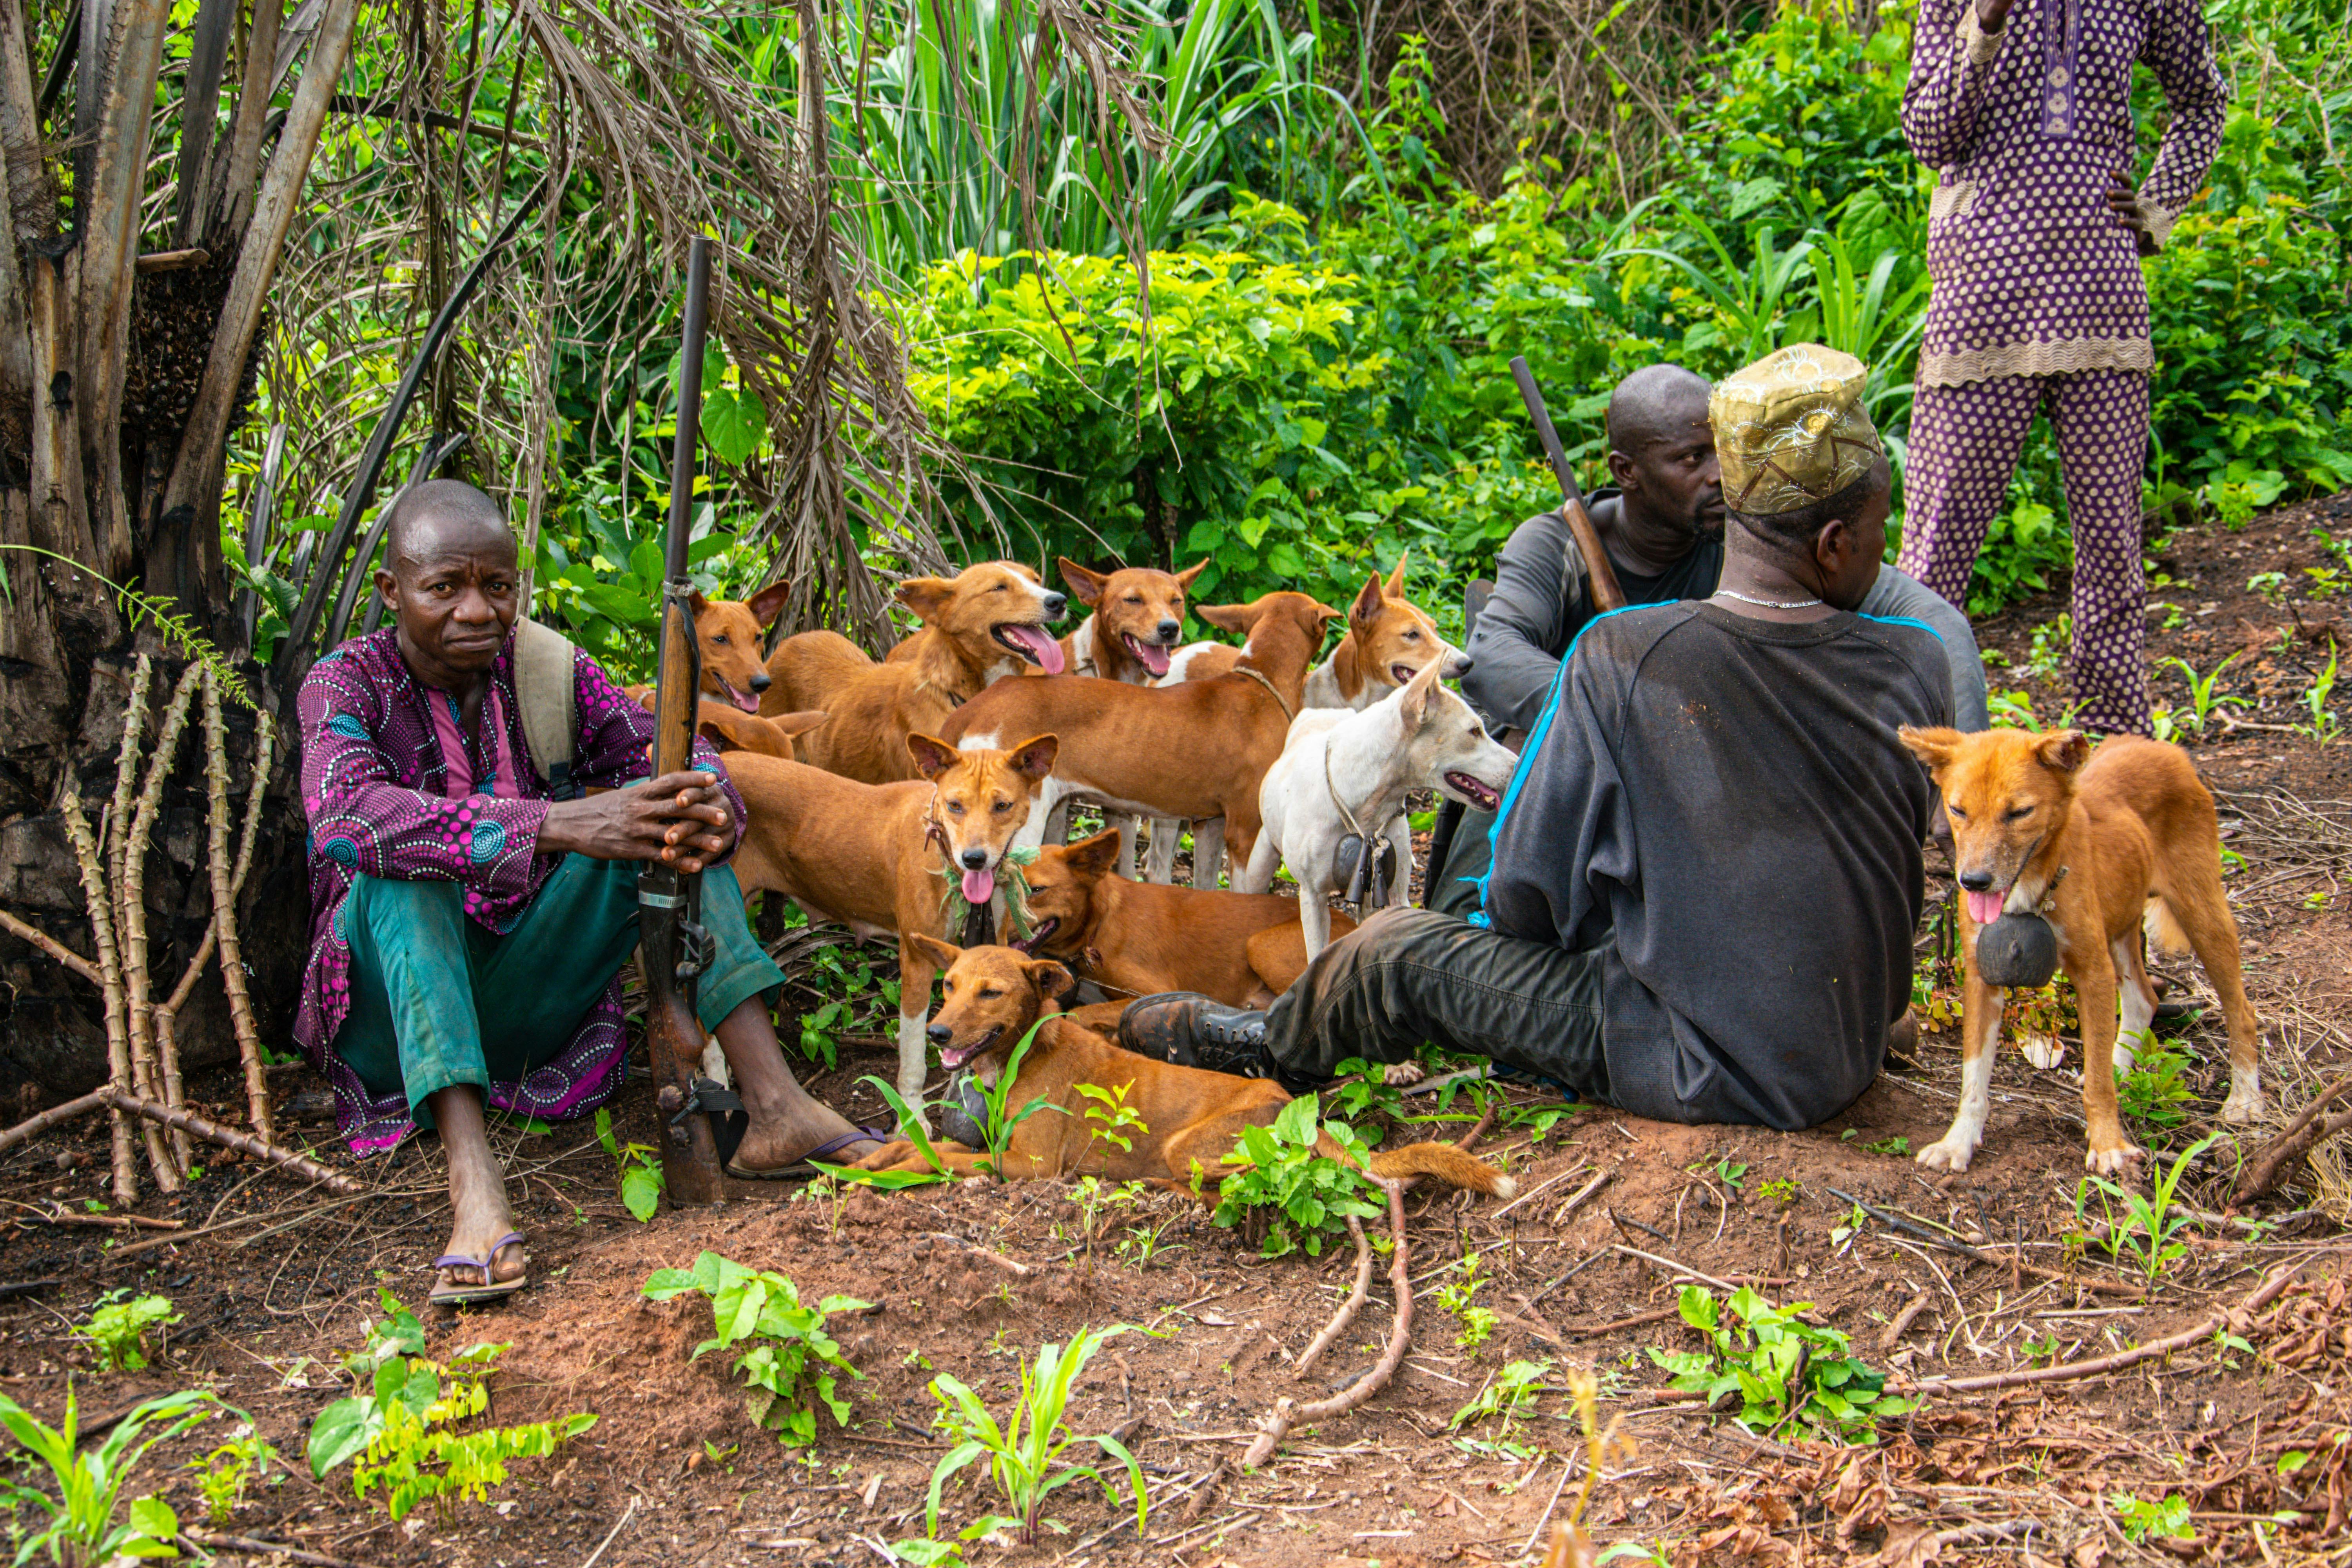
(1154, 657)
(1984, 908)
(747, 702)
(978, 885)
(1048, 652)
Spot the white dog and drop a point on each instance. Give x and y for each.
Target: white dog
(1339, 765)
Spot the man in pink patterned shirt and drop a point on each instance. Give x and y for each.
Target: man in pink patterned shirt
(2034, 236)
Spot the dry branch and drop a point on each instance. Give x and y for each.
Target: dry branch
(225, 879)
(228, 1138)
(51, 945)
(1275, 1424)
(154, 1072)
(33, 1127)
(110, 969)
(2293, 1141)
(1977, 1253)
(1348, 1308)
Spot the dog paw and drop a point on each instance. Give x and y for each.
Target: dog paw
(1397, 1075)
(2043, 1051)
(1950, 1154)
(2112, 1162)
(2242, 1106)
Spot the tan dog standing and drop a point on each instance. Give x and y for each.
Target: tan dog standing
(1191, 1119)
(986, 623)
(2098, 844)
(878, 857)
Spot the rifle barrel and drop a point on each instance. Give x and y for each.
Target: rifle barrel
(689, 409)
(1606, 592)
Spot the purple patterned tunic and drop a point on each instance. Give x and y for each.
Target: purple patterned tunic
(375, 789)
(2026, 128)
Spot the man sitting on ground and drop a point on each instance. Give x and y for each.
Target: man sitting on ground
(1708, 870)
(467, 929)
(1662, 524)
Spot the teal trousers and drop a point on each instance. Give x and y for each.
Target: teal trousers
(438, 1000)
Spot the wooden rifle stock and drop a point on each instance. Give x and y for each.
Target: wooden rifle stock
(1606, 593)
(673, 948)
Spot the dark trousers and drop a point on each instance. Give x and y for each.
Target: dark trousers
(1451, 888)
(1409, 975)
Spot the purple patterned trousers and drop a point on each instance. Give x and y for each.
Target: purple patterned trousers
(1965, 442)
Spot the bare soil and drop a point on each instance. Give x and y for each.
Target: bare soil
(970, 1280)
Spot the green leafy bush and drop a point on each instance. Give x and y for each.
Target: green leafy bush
(1782, 1367)
(1304, 1198)
(792, 1360)
(117, 1330)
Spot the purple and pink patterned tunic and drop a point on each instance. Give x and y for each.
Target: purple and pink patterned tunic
(385, 798)
(2026, 128)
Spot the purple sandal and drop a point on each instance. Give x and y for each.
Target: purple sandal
(454, 1294)
(804, 1168)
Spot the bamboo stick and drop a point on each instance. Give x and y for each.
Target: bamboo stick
(149, 1076)
(51, 945)
(188, 1121)
(34, 1127)
(224, 879)
(110, 969)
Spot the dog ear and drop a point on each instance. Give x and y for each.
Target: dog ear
(1054, 983)
(769, 602)
(932, 757)
(1416, 698)
(2063, 751)
(1933, 747)
(1033, 758)
(1085, 585)
(1366, 610)
(935, 949)
(927, 596)
(1184, 578)
(696, 603)
(1396, 578)
(724, 726)
(1236, 618)
(1093, 858)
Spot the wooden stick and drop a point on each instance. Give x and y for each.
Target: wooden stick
(1275, 1425)
(245, 1545)
(2293, 1141)
(188, 1121)
(240, 1006)
(2238, 1318)
(1897, 1222)
(34, 1127)
(151, 1078)
(1904, 1319)
(1348, 1308)
(117, 1036)
(50, 945)
(1683, 1269)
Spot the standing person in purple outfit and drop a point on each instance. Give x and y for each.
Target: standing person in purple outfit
(468, 928)
(2034, 236)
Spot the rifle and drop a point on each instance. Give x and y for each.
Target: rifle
(673, 947)
(1606, 593)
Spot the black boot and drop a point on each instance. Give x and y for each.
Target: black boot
(1196, 1031)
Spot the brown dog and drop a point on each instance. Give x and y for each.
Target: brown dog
(987, 621)
(729, 632)
(1194, 750)
(1138, 939)
(2098, 844)
(1136, 616)
(881, 859)
(1191, 1119)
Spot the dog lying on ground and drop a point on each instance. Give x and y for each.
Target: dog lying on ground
(1346, 772)
(1138, 939)
(2099, 843)
(1192, 1119)
(881, 859)
(986, 623)
(1388, 641)
(728, 728)
(1191, 750)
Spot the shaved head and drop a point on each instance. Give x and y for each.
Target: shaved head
(1653, 404)
(440, 518)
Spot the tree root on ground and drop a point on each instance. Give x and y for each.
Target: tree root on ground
(1288, 1413)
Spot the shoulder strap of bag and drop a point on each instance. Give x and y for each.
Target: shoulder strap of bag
(545, 689)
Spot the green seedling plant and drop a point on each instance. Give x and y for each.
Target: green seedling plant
(224, 1474)
(2323, 724)
(1459, 1296)
(2203, 701)
(2149, 1223)
(791, 1363)
(2167, 1518)
(1898, 1145)
(2050, 640)
(639, 1168)
(2156, 1090)
(1729, 1174)
(1024, 1453)
(1305, 1197)
(1509, 1394)
(1780, 1189)
(117, 1330)
(83, 1528)
(1782, 1368)
(2271, 585)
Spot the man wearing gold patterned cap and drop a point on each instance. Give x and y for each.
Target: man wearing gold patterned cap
(1708, 870)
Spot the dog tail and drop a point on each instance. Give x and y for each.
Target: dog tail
(2163, 928)
(1447, 1164)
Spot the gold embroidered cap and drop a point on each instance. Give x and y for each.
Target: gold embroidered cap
(1791, 429)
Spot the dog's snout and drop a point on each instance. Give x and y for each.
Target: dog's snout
(975, 858)
(1462, 665)
(1168, 630)
(1978, 880)
(938, 1033)
(761, 681)
(1054, 605)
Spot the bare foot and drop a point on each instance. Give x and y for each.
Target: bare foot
(785, 1124)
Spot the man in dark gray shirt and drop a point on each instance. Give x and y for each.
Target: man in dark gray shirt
(1663, 527)
(1708, 870)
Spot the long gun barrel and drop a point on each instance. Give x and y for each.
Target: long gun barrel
(1606, 593)
(673, 947)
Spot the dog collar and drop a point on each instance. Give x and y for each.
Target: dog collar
(1288, 712)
